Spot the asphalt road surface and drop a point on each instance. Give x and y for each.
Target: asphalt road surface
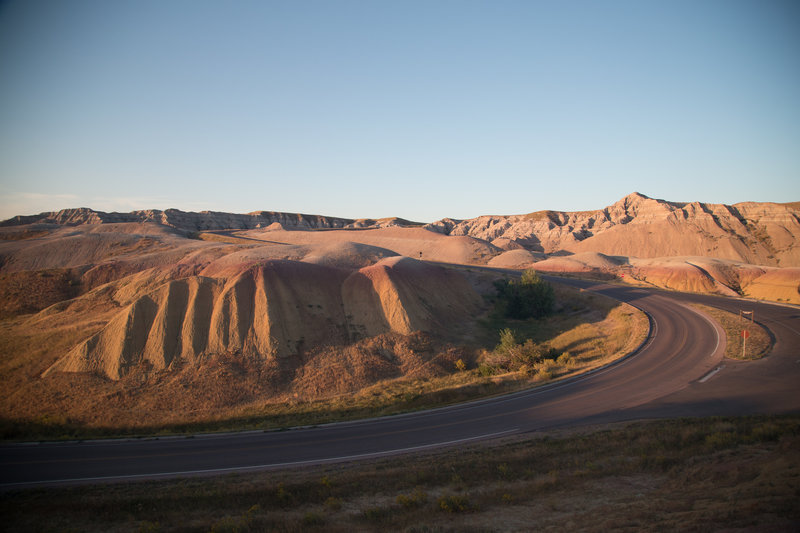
(679, 371)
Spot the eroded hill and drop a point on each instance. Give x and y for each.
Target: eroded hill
(638, 226)
(276, 309)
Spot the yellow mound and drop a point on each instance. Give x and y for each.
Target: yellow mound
(730, 278)
(403, 295)
(515, 258)
(777, 284)
(346, 254)
(276, 309)
(581, 262)
(675, 275)
(410, 242)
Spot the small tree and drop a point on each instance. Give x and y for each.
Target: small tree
(514, 355)
(540, 295)
(530, 297)
(507, 341)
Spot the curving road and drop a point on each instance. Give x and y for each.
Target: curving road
(679, 371)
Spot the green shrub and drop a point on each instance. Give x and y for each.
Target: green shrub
(515, 356)
(149, 527)
(565, 359)
(721, 439)
(454, 504)
(503, 469)
(283, 496)
(415, 499)
(236, 523)
(486, 370)
(334, 504)
(313, 519)
(376, 514)
(530, 297)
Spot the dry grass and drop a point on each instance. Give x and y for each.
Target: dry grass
(757, 345)
(14, 234)
(31, 291)
(589, 330)
(679, 475)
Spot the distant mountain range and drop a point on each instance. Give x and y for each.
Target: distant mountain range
(202, 221)
(635, 226)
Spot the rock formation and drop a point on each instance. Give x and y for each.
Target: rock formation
(635, 226)
(182, 220)
(275, 309)
(638, 226)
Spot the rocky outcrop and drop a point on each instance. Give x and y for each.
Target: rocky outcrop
(638, 226)
(274, 310)
(182, 220)
(205, 220)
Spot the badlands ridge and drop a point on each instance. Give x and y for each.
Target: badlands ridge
(163, 289)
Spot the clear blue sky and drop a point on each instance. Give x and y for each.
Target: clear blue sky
(419, 109)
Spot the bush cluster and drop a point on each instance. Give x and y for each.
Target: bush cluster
(527, 353)
(528, 357)
(530, 297)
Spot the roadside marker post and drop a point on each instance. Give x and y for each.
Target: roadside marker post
(746, 328)
(745, 334)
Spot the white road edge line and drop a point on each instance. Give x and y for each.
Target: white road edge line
(264, 466)
(711, 322)
(709, 375)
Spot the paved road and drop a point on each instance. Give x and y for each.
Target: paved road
(668, 377)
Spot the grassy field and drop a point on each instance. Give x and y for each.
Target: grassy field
(709, 474)
(757, 345)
